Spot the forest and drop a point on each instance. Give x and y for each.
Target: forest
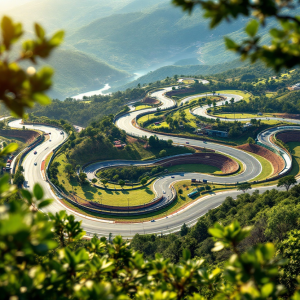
(286, 103)
(273, 214)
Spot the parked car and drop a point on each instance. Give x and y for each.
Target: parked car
(35, 152)
(172, 176)
(35, 163)
(187, 142)
(152, 220)
(49, 140)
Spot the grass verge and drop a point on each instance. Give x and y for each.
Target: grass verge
(90, 193)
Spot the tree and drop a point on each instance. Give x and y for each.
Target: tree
(69, 169)
(22, 88)
(207, 188)
(162, 153)
(283, 35)
(180, 191)
(143, 181)
(104, 182)
(19, 178)
(121, 183)
(199, 231)
(21, 168)
(244, 187)
(116, 178)
(250, 140)
(290, 249)
(281, 219)
(182, 114)
(184, 230)
(94, 180)
(82, 177)
(287, 181)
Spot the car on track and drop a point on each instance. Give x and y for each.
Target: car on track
(187, 142)
(172, 176)
(35, 152)
(35, 163)
(50, 141)
(164, 192)
(152, 220)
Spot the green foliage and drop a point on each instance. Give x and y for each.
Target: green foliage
(162, 153)
(244, 187)
(250, 140)
(143, 181)
(184, 230)
(69, 169)
(20, 88)
(82, 177)
(133, 174)
(121, 183)
(284, 50)
(55, 264)
(91, 109)
(289, 249)
(287, 181)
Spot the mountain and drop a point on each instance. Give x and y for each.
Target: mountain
(77, 72)
(70, 14)
(137, 40)
(170, 71)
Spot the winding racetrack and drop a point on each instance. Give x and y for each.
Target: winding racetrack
(166, 225)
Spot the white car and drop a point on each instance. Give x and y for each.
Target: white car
(164, 192)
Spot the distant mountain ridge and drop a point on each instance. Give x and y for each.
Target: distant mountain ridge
(77, 72)
(170, 71)
(137, 40)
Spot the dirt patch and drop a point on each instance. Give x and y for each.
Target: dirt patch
(287, 116)
(26, 135)
(222, 162)
(149, 100)
(289, 136)
(276, 161)
(131, 139)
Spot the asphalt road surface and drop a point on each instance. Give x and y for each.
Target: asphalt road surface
(168, 223)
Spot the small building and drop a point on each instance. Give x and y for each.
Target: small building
(217, 133)
(118, 144)
(246, 126)
(295, 87)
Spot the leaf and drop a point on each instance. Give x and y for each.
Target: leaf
(27, 195)
(10, 31)
(267, 289)
(230, 44)
(39, 31)
(9, 148)
(215, 232)
(41, 98)
(186, 254)
(252, 27)
(57, 38)
(45, 203)
(218, 247)
(38, 192)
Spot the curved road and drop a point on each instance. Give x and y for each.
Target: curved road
(168, 224)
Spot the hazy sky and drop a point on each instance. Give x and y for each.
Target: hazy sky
(7, 4)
